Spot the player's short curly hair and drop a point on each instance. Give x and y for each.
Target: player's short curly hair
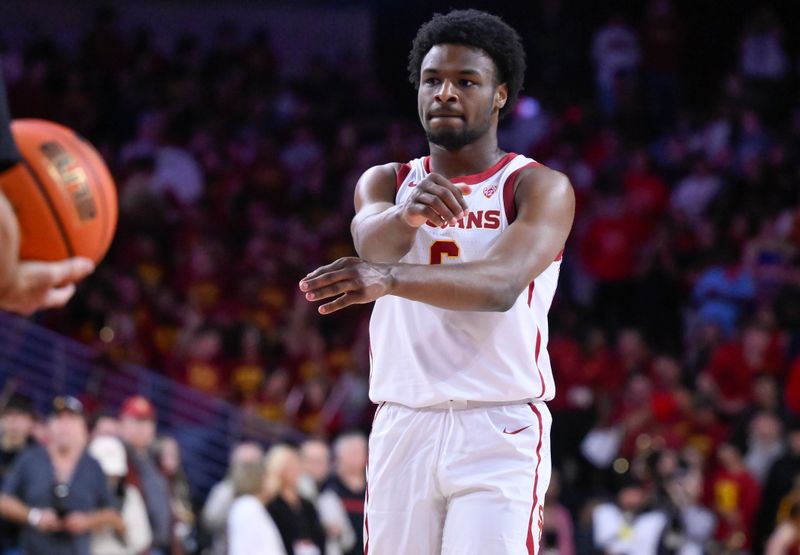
(475, 29)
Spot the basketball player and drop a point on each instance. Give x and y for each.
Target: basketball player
(27, 286)
(461, 252)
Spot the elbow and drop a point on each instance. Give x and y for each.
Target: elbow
(509, 291)
(505, 298)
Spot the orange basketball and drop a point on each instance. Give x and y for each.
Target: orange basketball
(62, 193)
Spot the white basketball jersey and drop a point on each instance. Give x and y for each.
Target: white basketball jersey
(422, 355)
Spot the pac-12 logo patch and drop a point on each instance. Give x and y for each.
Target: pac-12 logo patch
(489, 190)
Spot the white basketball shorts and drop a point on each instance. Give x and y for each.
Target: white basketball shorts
(460, 479)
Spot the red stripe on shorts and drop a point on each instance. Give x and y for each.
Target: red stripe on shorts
(366, 491)
(530, 542)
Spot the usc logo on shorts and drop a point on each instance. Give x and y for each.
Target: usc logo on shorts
(540, 523)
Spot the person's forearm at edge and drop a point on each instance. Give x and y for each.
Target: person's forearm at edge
(9, 244)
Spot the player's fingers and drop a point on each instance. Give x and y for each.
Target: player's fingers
(458, 190)
(335, 265)
(341, 302)
(438, 205)
(332, 290)
(448, 195)
(430, 214)
(58, 296)
(66, 271)
(314, 284)
(453, 199)
(464, 189)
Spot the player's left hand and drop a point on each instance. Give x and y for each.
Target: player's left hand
(351, 280)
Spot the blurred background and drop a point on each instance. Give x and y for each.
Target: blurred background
(236, 132)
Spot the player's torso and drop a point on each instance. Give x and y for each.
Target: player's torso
(423, 355)
(477, 231)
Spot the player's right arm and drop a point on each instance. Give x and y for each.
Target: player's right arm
(384, 231)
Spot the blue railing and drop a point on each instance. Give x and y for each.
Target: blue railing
(43, 364)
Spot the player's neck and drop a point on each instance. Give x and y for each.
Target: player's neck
(471, 159)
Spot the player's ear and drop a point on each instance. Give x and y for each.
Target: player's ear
(501, 96)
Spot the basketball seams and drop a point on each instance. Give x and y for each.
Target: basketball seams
(50, 205)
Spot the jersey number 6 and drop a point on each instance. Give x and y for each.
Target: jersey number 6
(440, 249)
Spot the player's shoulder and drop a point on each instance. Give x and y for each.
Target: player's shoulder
(538, 179)
(382, 173)
(388, 177)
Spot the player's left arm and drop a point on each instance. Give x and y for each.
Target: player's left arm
(545, 205)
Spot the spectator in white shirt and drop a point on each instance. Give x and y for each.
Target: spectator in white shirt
(694, 192)
(251, 531)
(220, 499)
(110, 453)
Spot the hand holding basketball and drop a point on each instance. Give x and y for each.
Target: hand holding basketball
(58, 213)
(40, 285)
(437, 200)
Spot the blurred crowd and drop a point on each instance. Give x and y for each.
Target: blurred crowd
(675, 333)
(112, 486)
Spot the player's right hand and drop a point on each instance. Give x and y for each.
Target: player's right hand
(36, 285)
(437, 200)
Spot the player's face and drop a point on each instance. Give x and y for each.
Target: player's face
(458, 98)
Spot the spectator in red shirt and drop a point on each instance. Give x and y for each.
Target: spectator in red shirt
(608, 249)
(733, 494)
(646, 194)
(733, 367)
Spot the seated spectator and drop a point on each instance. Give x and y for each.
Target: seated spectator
(688, 525)
(341, 503)
(723, 291)
(105, 425)
(296, 518)
(315, 457)
(250, 528)
(137, 426)
(625, 526)
(785, 540)
(694, 192)
(557, 534)
(220, 498)
(764, 445)
(168, 455)
(765, 397)
(110, 453)
(780, 481)
(733, 494)
(59, 492)
(16, 425)
(734, 366)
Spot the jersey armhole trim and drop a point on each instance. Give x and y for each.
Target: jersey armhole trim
(509, 188)
(402, 173)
